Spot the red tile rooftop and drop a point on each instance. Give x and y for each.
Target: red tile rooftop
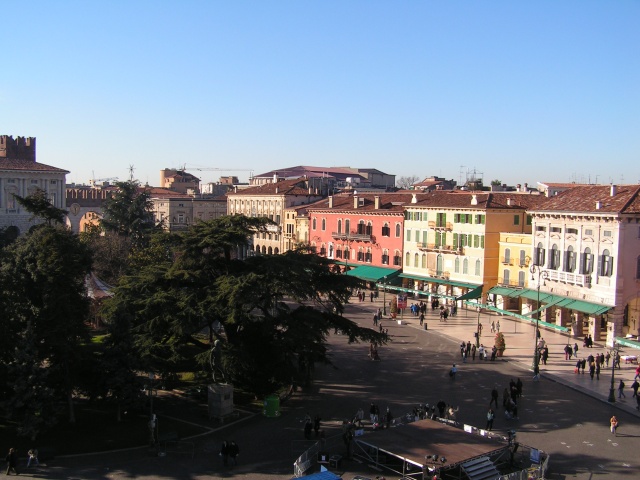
(28, 165)
(585, 198)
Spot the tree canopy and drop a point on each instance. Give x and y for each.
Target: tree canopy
(276, 310)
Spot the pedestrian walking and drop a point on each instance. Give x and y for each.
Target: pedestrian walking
(12, 461)
(621, 390)
(607, 357)
(375, 319)
(33, 457)
(494, 396)
(234, 451)
(635, 386)
(614, 424)
(498, 326)
(453, 371)
(224, 453)
(598, 371)
(493, 326)
(490, 416)
(421, 319)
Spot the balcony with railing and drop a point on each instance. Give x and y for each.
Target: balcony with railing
(273, 228)
(361, 237)
(509, 282)
(507, 260)
(569, 278)
(448, 226)
(432, 247)
(432, 272)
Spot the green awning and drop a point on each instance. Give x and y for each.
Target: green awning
(565, 302)
(471, 294)
(372, 274)
(506, 291)
(413, 292)
(627, 342)
(588, 307)
(441, 281)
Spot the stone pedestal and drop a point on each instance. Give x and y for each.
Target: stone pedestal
(220, 400)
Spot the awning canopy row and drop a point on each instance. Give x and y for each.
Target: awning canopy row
(552, 300)
(373, 274)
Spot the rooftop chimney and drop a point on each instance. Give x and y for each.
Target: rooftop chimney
(474, 199)
(414, 198)
(376, 202)
(355, 201)
(509, 201)
(614, 190)
(330, 201)
(598, 205)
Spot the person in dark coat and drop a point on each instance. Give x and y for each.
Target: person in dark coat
(12, 461)
(234, 451)
(224, 453)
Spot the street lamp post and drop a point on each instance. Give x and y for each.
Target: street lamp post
(542, 276)
(478, 329)
(384, 296)
(612, 388)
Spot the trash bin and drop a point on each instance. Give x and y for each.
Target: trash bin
(335, 461)
(272, 406)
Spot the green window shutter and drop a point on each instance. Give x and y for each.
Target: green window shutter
(484, 218)
(456, 218)
(408, 235)
(516, 219)
(455, 240)
(529, 220)
(476, 241)
(444, 238)
(481, 241)
(437, 239)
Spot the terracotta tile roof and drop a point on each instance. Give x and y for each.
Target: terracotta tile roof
(583, 198)
(485, 200)
(344, 202)
(28, 165)
(562, 185)
(296, 186)
(157, 192)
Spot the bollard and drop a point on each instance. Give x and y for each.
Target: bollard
(425, 326)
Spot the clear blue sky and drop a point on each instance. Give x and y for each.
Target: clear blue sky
(521, 91)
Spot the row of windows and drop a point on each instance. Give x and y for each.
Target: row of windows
(362, 228)
(441, 218)
(568, 260)
(573, 231)
(360, 255)
(420, 261)
(459, 239)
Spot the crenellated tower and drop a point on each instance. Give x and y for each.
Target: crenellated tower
(23, 148)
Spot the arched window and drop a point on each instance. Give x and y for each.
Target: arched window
(313, 224)
(386, 231)
(339, 226)
(424, 260)
(606, 264)
(338, 252)
(361, 227)
(347, 226)
(330, 250)
(406, 260)
(369, 229)
(521, 279)
(271, 251)
(465, 266)
(586, 264)
(324, 224)
(457, 265)
(347, 253)
(276, 251)
(478, 268)
(539, 255)
(439, 268)
(257, 248)
(416, 260)
(570, 260)
(507, 255)
(385, 257)
(554, 258)
(398, 229)
(264, 250)
(523, 258)
(360, 254)
(323, 250)
(397, 258)
(505, 276)
(368, 257)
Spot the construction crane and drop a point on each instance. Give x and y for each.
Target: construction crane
(214, 169)
(95, 180)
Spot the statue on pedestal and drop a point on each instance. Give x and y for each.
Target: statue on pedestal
(215, 360)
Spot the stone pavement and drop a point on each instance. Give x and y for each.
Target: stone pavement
(335, 396)
(519, 340)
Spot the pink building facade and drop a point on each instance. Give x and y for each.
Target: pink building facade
(359, 229)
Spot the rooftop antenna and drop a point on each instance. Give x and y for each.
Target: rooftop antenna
(131, 169)
(461, 172)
